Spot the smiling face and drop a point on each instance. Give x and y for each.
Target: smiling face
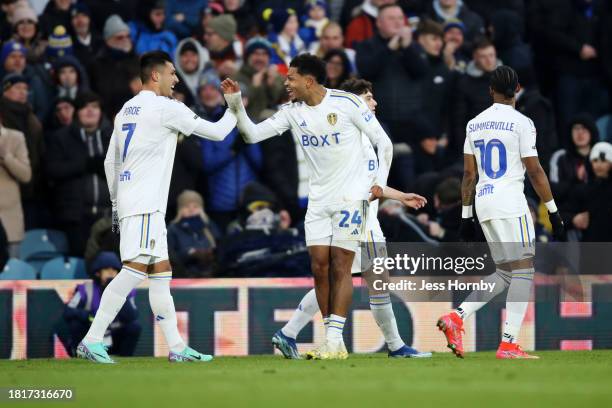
(189, 61)
(297, 85)
(165, 76)
(26, 29)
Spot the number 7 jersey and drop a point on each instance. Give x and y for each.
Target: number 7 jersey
(499, 138)
(141, 153)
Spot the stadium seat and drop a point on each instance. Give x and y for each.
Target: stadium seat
(604, 125)
(63, 267)
(40, 245)
(16, 269)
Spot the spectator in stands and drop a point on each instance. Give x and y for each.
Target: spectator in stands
(283, 26)
(187, 172)
(530, 102)
(395, 64)
(220, 36)
(570, 168)
(590, 213)
(14, 170)
(430, 150)
(244, 16)
(211, 11)
(13, 61)
(75, 164)
(25, 28)
(114, 66)
(486, 8)
(192, 238)
(86, 42)
(363, 26)
(332, 39)
(63, 113)
(228, 165)
(148, 33)
(447, 203)
(471, 95)
(445, 10)
(79, 312)
(7, 9)
(70, 77)
(573, 34)
(337, 67)
(57, 12)
(102, 238)
(506, 30)
(438, 81)
(190, 60)
(455, 55)
(17, 114)
(264, 84)
(183, 16)
(314, 20)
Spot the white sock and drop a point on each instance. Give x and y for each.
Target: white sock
(385, 318)
(302, 315)
(112, 301)
(162, 306)
(335, 328)
(478, 299)
(517, 302)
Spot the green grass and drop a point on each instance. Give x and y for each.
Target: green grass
(559, 379)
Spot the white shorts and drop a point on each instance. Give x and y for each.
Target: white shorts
(510, 239)
(339, 225)
(374, 246)
(144, 238)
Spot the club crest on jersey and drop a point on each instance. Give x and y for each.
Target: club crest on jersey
(332, 118)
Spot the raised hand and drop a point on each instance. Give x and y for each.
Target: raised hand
(229, 86)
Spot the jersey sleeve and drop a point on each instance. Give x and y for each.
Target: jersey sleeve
(527, 139)
(275, 125)
(176, 116)
(467, 146)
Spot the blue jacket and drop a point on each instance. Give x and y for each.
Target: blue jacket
(191, 9)
(146, 39)
(229, 165)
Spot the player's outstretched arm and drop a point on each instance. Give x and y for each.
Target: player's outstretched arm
(410, 200)
(176, 116)
(218, 130)
(252, 133)
(540, 184)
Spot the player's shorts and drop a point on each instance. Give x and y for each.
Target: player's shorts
(339, 225)
(373, 246)
(144, 238)
(510, 239)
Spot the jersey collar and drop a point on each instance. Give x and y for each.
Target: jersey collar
(502, 106)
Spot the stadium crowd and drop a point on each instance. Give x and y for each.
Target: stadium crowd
(67, 67)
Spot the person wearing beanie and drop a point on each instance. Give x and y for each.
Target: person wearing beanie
(26, 32)
(314, 21)
(148, 33)
(590, 213)
(192, 238)
(56, 13)
(59, 44)
(62, 116)
(455, 54)
(85, 42)
(283, 27)
(190, 60)
(570, 168)
(114, 66)
(75, 166)
(264, 84)
(82, 307)
(219, 38)
(70, 77)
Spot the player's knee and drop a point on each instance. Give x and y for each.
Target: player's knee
(320, 268)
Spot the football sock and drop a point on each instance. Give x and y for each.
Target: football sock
(335, 328)
(385, 319)
(302, 315)
(478, 299)
(162, 306)
(517, 302)
(112, 301)
(326, 323)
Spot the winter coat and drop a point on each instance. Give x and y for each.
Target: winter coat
(146, 39)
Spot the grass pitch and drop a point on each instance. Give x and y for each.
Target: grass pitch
(558, 379)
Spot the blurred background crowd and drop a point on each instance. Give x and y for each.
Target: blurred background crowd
(66, 68)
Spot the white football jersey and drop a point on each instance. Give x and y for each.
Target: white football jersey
(330, 135)
(143, 144)
(373, 229)
(499, 137)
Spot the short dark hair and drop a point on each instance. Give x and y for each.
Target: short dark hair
(308, 64)
(482, 43)
(449, 191)
(504, 80)
(356, 86)
(151, 60)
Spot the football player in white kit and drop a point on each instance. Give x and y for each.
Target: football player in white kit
(328, 124)
(380, 302)
(138, 167)
(500, 145)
